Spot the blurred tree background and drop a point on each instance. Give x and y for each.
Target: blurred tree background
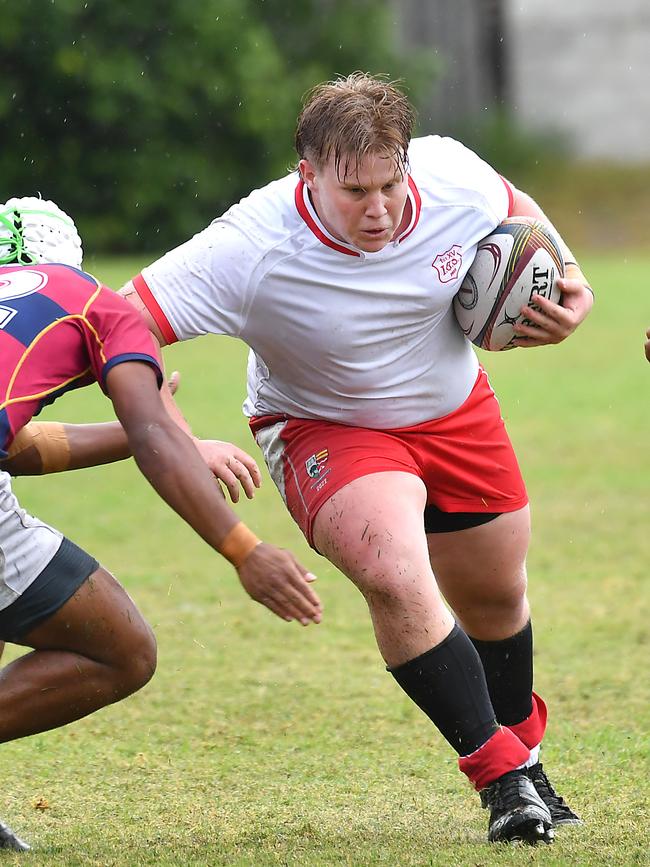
(146, 120)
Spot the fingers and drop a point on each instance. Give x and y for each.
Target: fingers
(228, 478)
(539, 329)
(273, 577)
(174, 381)
(290, 608)
(232, 466)
(545, 323)
(251, 477)
(238, 473)
(294, 601)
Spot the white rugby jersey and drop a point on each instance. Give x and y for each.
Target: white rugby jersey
(366, 339)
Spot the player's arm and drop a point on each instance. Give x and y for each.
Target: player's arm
(41, 448)
(52, 447)
(230, 464)
(553, 322)
(647, 344)
(173, 466)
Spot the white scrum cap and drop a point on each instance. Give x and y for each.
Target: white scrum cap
(35, 231)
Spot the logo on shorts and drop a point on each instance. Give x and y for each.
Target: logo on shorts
(316, 463)
(448, 264)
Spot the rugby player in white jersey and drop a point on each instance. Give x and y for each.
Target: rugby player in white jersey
(375, 419)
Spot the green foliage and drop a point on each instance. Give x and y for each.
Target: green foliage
(499, 139)
(146, 120)
(594, 204)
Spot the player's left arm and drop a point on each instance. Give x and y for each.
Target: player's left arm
(41, 448)
(553, 322)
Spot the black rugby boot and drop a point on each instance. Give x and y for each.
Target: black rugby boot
(561, 813)
(517, 813)
(9, 840)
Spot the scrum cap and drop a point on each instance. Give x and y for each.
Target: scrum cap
(36, 231)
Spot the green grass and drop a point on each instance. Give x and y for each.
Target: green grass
(262, 743)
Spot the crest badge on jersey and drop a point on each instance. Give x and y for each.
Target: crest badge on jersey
(316, 463)
(448, 264)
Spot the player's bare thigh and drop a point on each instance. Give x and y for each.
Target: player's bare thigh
(373, 526)
(372, 529)
(481, 572)
(99, 621)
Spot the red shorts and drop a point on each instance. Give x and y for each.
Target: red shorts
(465, 459)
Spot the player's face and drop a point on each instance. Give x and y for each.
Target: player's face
(365, 207)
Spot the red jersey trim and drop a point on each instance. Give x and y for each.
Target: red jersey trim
(511, 195)
(313, 225)
(303, 210)
(147, 298)
(416, 204)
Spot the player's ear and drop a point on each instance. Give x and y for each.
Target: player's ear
(307, 171)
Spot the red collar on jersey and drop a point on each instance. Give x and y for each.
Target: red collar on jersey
(308, 213)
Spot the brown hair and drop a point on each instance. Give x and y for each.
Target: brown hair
(352, 117)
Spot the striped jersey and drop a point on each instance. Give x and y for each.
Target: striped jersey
(60, 329)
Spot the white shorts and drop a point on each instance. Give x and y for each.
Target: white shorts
(26, 545)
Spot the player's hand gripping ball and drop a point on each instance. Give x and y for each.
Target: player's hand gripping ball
(520, 258)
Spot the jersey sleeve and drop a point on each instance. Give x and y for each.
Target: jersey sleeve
(115, 332)
(203, 286)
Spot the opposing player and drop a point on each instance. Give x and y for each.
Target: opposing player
(61, 329)
(375, 419)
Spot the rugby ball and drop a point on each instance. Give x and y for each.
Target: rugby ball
(521, 257)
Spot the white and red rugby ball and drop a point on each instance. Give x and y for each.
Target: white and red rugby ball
(519, 258)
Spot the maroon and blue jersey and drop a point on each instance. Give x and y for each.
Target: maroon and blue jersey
(60, 329)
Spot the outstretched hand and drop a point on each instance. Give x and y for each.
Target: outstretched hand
(550, 322)
(273, 577)
(232, 466)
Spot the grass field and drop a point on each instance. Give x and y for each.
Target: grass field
(263, 743)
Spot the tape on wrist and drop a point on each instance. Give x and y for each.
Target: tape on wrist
(238, 544)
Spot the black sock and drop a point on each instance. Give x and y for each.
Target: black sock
(448, 684)
(508, 666)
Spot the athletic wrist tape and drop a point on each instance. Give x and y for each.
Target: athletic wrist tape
(238, 544)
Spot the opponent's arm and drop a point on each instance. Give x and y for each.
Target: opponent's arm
(173, 466)
(52, 447)
(553, 322)
(41, 448)
(230, 464)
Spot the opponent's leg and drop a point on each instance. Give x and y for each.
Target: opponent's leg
(9, 839)
(95, 650)
(372, 530)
